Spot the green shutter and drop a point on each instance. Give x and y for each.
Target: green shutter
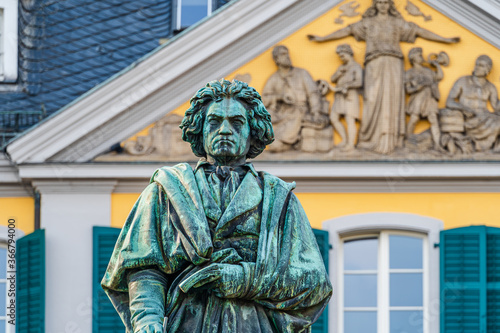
(470, 280)
(30, 265)
(105, 317)
(321, 325)
(493, 279)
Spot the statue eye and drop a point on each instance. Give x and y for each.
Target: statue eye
(213, 121)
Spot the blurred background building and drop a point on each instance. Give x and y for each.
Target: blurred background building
(92, 93)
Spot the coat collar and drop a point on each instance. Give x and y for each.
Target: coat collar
(247, 197)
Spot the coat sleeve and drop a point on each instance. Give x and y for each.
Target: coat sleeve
(290, 279)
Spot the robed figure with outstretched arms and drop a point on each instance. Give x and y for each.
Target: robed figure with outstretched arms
(221, 247)
(383, 28)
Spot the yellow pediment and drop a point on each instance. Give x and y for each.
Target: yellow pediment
(321, 59)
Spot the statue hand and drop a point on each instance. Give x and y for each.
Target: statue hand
(224, 280)
(315, 38)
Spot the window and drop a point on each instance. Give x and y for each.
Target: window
(191, 11)
(383, 281)
(385, 273)
(8, 40)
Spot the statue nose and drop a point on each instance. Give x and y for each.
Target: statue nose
(225, 128)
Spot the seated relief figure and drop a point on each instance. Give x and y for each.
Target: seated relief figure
(317, 133)
(349, 80)
(221, 248)
(421, 83)
(289, 94)
(470, 96)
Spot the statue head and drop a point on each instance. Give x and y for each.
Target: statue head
(345, 52)
(382, 5)
(483, 66)
(415, 55)
(227, 122)
(281, 56)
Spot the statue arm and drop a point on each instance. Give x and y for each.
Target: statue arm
(357, 80)
(452, 103)
(147, 293)
(339, 34)
(439, 74)
(429, 35)
(494, 98)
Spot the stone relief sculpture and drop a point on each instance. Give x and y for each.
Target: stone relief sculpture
(289, 94)
(382, 28)
(413, 10)
(348, 10)
(221, 247)
(349, 81)
(467, 109)
(317, 133)
(421, 83)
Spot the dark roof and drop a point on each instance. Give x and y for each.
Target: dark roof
(68, 47)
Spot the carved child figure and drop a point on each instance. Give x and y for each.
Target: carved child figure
(349, 79)
(421, 83)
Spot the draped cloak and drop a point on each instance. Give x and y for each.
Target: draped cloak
(168, 230)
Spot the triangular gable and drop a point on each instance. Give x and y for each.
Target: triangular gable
(141, 95)
(165, 80)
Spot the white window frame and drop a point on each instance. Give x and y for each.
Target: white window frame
(4, 237)
(178, 12)
(372, 224)
(9, 40)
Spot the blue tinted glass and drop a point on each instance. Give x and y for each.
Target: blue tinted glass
(3, 263)
(2, 326)
(361, 254)
(3, 299)
(407, 321)
(360, 290)
(406, 289)
(405, 252)
(360, 321)
(192, 11)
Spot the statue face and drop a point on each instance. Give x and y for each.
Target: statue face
(382, 6)
(482, 68)
(226, 132)
(418, 58)
(283, 58)
(344, 56)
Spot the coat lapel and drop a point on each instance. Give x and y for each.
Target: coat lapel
(212, 209)
(248, 196)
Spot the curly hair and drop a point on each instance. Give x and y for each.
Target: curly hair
(372, 11)
(259, 119)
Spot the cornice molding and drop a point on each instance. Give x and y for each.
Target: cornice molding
(74, 186)
(137, 97)
(310, 177)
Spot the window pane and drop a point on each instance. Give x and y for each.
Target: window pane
(360, 290)
(3, 263)
(361, 254)
(3, 299)
(360, 322)
(192, 11)
(405, 252)
(406, 321)
(2, 326)
(406, 289)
